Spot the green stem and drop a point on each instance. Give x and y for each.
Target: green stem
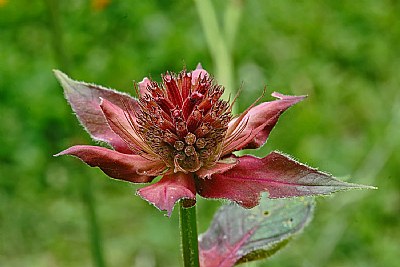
(188, 227)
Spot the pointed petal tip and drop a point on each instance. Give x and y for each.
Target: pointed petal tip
(60, 75)
(199, 72)
(66, 151)
(345, 186)
(143, 86)
(104, 103)
(359, 186)
(56, 71)
(62, 153)
(145, 80)
(281, 96)
(66, 83)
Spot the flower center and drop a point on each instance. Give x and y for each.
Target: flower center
(184, 121)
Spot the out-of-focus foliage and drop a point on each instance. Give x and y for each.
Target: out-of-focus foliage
(343, 54)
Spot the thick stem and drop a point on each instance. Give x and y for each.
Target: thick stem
(188, 227)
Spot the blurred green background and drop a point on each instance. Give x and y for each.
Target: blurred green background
(344, 54)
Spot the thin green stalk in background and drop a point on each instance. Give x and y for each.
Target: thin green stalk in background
(87, 193)
(188, 227)
(221, 41)
(232, 16)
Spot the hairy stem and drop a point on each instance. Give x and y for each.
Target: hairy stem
(188, 227)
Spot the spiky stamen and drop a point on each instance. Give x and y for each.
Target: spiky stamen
(184, 121)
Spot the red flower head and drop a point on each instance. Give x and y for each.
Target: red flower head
(182, 130)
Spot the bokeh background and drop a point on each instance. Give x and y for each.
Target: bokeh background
(344, 54)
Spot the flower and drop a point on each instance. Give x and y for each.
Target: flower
(182, 130)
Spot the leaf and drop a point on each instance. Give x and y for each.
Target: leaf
(277, 174)
(84, 99)
(239, 235)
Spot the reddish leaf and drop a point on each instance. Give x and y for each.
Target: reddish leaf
(171, 188)
(84, 99)
(277, 174)
(239, 235)
(131, 168)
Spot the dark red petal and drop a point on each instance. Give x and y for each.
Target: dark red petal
(186, 80)
(171, 188)
(131, 168)
(122, 123)
(173, 91)
(259, 122)
(276, 174)
(84, 99)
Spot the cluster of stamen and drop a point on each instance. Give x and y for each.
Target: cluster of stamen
(184, 122)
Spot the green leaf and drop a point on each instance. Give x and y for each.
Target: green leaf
(238, 235)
